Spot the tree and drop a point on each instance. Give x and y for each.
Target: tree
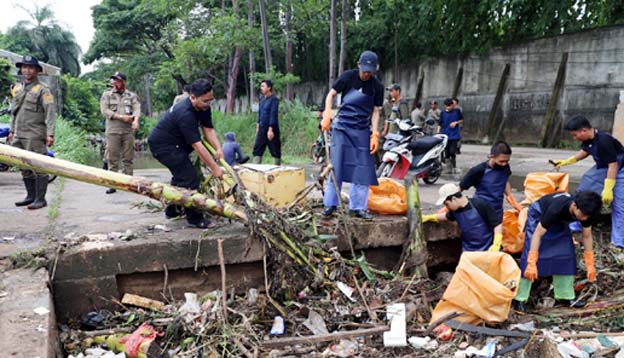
(332, 42)
(343, 37)
(268, 61)
(45, 39)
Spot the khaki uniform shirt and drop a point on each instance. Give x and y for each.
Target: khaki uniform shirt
(33, 111)
(126, 103)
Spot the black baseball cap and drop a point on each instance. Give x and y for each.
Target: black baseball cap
(119, 76)
(368, 61)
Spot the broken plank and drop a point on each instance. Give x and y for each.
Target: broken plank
(143, 302)
(281, 342)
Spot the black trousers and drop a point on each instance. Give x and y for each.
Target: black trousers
(451, 150)
(262, 142)
(183, 175)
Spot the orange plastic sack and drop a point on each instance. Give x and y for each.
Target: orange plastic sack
(477, 289)
(387, 198)
(513, 230)
(539, 184)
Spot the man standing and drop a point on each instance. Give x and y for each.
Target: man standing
(608, 155)
(176, 135)
(267, 127)
(549, 247)
(400, 109)
(418, 115)
(434, 112)
(121, 109)
(481, 228)
(32, 127)
(491, 179)
(185, 93)
(353, 144)
(450, 122)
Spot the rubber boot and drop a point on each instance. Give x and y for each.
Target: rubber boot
(257, 160)
(30, 192)
(244, 160)
(41, 190)
(277, 161)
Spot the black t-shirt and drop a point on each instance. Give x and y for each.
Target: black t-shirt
(351, 79)
(179, 127)
(556, 210)
(484, 209)
(475, 174)
(608, 148)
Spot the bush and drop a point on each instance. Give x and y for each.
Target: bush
(146, 125)
(81, 105)
(298, 127)
(70, 143)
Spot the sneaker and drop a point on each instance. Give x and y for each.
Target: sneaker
(203, 224)
(570, 303)
(362, 214)
(111, 191)
(329, 210)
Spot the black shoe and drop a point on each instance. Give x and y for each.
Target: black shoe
(111, 191)
(31, 192)
(173, 211)
(329, 210)
(362, 214)
(518, 306)
(570, 303)
(202, 224)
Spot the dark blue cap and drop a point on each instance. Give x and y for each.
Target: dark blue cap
(368, 62)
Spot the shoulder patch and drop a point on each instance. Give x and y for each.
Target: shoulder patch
(47, 98)
(15, 89)
(35, 88)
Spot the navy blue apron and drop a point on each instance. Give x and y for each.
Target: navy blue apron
(492, 188)
(556, 251)
(593, 179)
(476, 235)
(350, 141)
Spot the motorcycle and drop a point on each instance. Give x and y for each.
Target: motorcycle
(4, 134)
(317, 151)
(420, 153)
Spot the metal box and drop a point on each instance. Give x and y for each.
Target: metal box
(277, 185)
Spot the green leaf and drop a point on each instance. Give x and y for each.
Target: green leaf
(365, 268)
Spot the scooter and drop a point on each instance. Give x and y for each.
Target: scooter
(421, 154)
(407, 131)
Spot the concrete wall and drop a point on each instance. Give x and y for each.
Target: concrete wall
(595, 74)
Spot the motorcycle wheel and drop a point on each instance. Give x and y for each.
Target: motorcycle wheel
(51, 178)
(431, 179)
(384, 170)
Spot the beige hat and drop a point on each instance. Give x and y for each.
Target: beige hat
(445, 191)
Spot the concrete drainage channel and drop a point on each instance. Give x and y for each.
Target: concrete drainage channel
(91, 276)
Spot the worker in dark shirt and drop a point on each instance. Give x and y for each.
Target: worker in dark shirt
(481, 228)
(549, 247)
(355, 135)
(491, 179)
(450, 121)
(232, 152)
(177, 135)
(608, 155)
(267, 128)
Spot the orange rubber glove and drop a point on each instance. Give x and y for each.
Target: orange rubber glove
(512, 201)
(327, 118)
(530, 272)
(374, 142)
(590, 264)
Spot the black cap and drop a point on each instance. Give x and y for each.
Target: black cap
(368, 61)
(119, 76)
(29, 60)
(394, 86)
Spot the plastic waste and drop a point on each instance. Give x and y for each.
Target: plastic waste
(94, 320)
(252, 296)
(278, 327)
(526, 327)
(387, 198)
(513, 230)
(569, 349)
(419, 342)
(345, 348)
(539, 184)
(315, 323)
(346, 290)
(397, 335)
(190, 307)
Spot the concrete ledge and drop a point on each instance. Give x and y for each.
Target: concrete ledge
(24, 332)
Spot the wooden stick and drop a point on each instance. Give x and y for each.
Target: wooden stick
(371, 314)
(276, 343)
(164, 290)
(242, 348)
(223, 278)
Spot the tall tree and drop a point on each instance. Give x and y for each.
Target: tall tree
(233, 72)
(332, 42)
(268, 61)
(45, 39)
(287, 36)
(252, 57)
(343, 37)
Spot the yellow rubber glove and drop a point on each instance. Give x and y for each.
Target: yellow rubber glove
(564, 162)
(590, 264)
(607, 192)
(374, 142)
(430, 218)
(512, 201)
(530, 272)
(326, 122)
(498, 241)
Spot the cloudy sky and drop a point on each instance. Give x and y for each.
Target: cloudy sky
(73, 15)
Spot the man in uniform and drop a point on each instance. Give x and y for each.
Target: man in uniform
(32, 126)
(481, 228)
(121, 109)
(400, 109)
(549, 247)
(353, 143)
(608, 154)
(174, 138)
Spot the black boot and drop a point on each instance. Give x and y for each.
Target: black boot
(518, 306)
(173, 211)
(41, 190)
(570, 303)
(30, 192)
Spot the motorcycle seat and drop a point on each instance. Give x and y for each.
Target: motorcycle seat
(394, 136)
(424, 144)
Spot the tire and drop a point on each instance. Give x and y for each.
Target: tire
(51, 178)
(431, 179)
(384, 170)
